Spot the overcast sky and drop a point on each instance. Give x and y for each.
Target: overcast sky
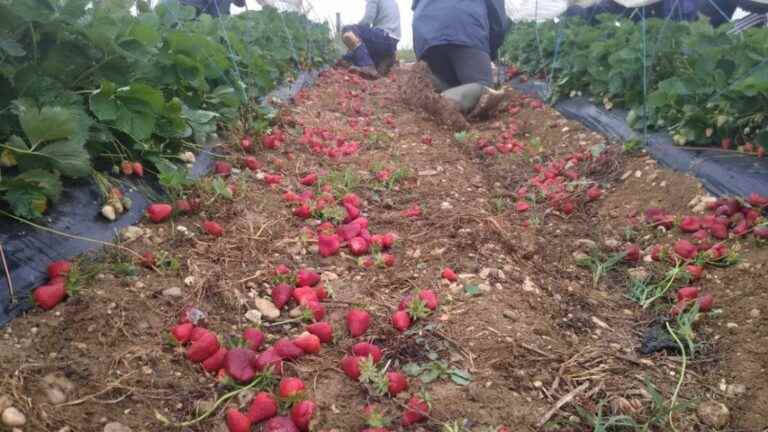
(351, 12)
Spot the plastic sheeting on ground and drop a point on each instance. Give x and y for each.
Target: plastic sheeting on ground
(722, 173)
(29, 250)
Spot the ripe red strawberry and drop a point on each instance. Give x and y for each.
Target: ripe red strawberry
(401, 320)
(761, 232)
(159, 212)
(417, 412)
(252, 163)
(351, 199)
(358, 321)
(757, 200)
(269, 359)
(126, 167)
(633, 253)
(306, 277)
(282, 269)
(718, 230)
(349, 231)
(281, 295)
(253, 337)
(182, 332)
(388, 240)
(50, 295)
(58, 268)
(263, 407)
(351, 366)
(280, 424)
(213, 228)
(222, 168)
(690, 224)
(412, 212)
(246, 143)
(426, 140)
(291, 387)
(449, 275)
(685, 249)
(215, 362)
(183, 206)
(522, 207)
(705, 302)
(594, 193)
(352, 213)
(316, 308)
(309, 180)
(138, 169)
(328, 245)
(303, 211)
(273, 179)
(358, 246)
(687, 293)
(322, 330)
(302, 414)
(397, 383)
(204, 345)
(365, 349)
(429, 298)
(237, 421)
(287, 349)
(387, 260)
(695, 271)
(308, 343)
(304, 294)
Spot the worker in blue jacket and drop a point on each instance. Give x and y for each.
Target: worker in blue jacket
(459, 40)
(372, 42)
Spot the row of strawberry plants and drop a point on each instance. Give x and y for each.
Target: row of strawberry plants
(704, 86)
(100, 85)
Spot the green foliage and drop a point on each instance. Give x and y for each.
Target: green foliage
(84, 82)
(703, 84)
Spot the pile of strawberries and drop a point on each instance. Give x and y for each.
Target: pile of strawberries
(557, 184)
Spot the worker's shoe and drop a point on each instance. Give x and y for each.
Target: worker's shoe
(367, 72)
(351, 40)
(489, 102)
(386, 65)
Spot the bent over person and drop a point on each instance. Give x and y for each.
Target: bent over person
(458, 40)
(372, 43)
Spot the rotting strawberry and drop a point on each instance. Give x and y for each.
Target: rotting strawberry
(253, 337)
(756, 200)
(320, 292)
(126, 167)
(303, 211)
(594, 193)
(309, 179)
(396, 383)
(632, 253)
(49, 295)
(246, 143)
(358, 246)
(305, 293)
(281, 295)
(687, 293)
(449, 275)
(430, 298)
(322, 330)
(522, 207)
(280, 424)
(690, 224)
(215, 362)
(315, 308)
(203, 346)
(239, 364)
(269, 359)
(305, 277)
(351, 366)
(685, 249)
(412, 212)
(366, 349)
(417, 411)
(291, 387)
(282, 269)
(59, 268)
(705, 301)
(263, 407)
(351, 199)
(288, 350)
(695, 271)
(159, 212)
(401, 320)
(213, 228)
(308, 343)
(358, 321)
(222, 168)
(182, 332)
(148, 260)
(302, 414)
(252, 163)
(386, 260)
(183, 206)
(237, 421)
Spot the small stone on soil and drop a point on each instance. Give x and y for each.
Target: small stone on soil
(754, 313)
(5, 402)
(585, 245)
(116, 427)
(253, 316)
(733, 390)
(713, 413)
(268, 310)
(172, 292)
(55, 396)
(12, 417)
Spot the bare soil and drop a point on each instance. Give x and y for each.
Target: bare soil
(533, 330)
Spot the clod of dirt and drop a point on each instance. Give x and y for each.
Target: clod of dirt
(713, 413)
(268, 310)
(12, 417)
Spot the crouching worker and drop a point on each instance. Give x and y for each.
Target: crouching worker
(372, 43)
(458, 40)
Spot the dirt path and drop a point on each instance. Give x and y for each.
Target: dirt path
(523, 329)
